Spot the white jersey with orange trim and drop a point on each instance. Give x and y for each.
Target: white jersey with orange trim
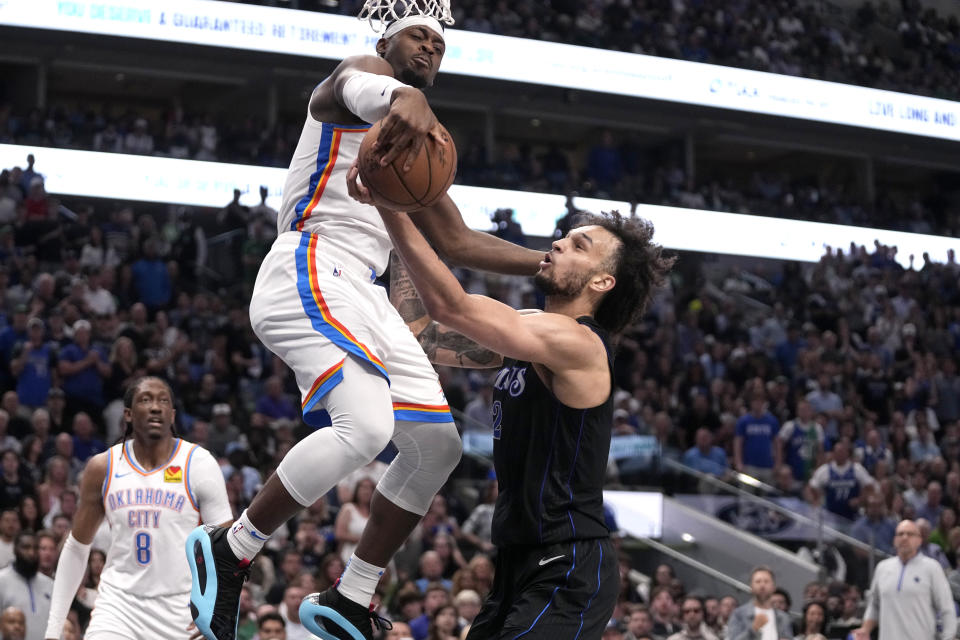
(315, 198)
(152, 511)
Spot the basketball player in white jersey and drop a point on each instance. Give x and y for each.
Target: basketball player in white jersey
(153, 488)
(316, 305)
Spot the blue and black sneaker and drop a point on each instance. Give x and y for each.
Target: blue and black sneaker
(332, 617)
(217, 580)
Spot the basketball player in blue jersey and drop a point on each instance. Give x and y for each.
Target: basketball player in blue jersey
(316, 305)
(556, 571)
(152, 488)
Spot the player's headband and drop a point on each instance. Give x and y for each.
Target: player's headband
(414, 21)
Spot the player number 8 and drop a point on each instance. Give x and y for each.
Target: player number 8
(142, 543)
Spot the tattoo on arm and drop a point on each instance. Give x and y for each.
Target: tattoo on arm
(403, 294)
(442, 345)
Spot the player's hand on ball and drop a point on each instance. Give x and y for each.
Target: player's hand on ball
(355, 187)
(406, 127)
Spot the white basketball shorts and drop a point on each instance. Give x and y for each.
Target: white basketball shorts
(315, 304)
(118, 614)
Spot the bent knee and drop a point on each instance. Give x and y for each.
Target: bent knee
(444, 444)
(366, 438)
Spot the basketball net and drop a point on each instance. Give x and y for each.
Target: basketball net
(391, 16)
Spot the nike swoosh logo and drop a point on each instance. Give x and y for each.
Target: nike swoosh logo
(120, 475)
(384, 92)
(544, 561)
(256, 536)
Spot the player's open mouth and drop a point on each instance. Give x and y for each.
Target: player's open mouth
(546, 260)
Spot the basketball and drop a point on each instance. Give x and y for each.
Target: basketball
(429, 177)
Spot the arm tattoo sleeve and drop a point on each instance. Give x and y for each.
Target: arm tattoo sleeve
(403, 295)
(442, 345)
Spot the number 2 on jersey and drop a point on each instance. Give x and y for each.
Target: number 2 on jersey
(496, 412)
(142, 544)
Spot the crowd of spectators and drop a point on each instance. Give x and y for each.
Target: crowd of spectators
(173, 132)
(613, 165)
(900, 46)
(795, 373)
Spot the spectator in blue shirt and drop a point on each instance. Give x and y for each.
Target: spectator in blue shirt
(824, 400)
(924, 447)
(802, 439)
(32, 365)
(754, 452)
(274, 403)
(151, 280)
(85, 443)
(604, 166)
(788, 350)
(931, 549)
(872, 451)
(435, 595)
(931, 509)
(875, 527)
(704, 456)
(83, 368)
(9, 338)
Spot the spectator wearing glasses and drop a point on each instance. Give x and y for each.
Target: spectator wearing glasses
(909, 595)
(693, 627)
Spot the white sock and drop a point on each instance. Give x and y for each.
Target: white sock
(359, 581)
(244, 538)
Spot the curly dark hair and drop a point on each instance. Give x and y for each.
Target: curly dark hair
(639, 266)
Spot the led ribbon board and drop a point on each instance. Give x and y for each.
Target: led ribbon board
(211, 184)
(320, 35)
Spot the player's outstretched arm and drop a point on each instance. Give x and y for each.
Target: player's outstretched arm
(76, 548)
(455, 241)
(460, 245)
(441, 344)
(555, 341)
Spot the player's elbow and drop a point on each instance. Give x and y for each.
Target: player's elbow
(451, 247)
(441, 309)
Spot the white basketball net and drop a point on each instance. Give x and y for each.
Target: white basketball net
(380, 13)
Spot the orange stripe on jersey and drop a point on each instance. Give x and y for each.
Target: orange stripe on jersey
(186, 479)
(325, 174)
(410, 406)
(325, 311)
(324, 377)
(106, 481)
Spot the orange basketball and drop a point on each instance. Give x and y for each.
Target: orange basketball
(429, 177)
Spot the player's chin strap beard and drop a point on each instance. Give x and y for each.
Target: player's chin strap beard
(412, 78)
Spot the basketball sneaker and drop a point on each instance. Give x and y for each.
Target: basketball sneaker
(218, 577)
(332, 617)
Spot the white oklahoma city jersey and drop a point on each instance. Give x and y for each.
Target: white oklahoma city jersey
(151, 512)
(315, 197)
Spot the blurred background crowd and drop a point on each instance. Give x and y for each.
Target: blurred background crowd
(771, 368)
(900, 46)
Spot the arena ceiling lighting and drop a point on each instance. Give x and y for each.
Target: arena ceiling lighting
(319, 35)
(211, 184)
